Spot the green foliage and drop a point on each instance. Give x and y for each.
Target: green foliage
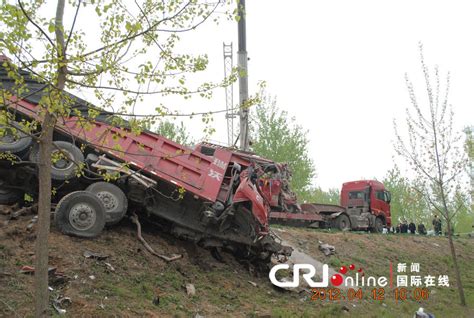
(318, 195)
(132, 52)
(177, 133)
(278, 137)
(469, 144)
(27, 197)
(464, 218)
(407, 203)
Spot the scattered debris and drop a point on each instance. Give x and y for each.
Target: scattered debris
(437, 245)
(109, 267)
(252, 283)
(190, 289)
(31, 270)
(99, 257)
(198, 316)
(345, 308)
(327, 249)
(422, 314)
(94, 255)
(102, 305)
(174, 257)
(24, 210)
(156, 297)
(56, 277)
(32, 223)
(60, 302)
(8, 209)
(92, 277)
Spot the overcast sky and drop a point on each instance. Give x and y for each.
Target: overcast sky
(338, 67)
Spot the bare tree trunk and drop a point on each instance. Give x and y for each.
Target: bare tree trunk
(44, 212)
(44, 175)
(455, 262)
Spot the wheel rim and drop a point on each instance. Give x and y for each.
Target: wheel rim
(63, 163)
(82, 216)
(109, 200)
(344, 224)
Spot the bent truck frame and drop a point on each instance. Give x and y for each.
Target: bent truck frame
(364, 205)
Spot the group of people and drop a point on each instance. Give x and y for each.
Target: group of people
(405, 227)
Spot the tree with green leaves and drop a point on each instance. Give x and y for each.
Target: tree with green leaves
(175, 132)
(119, 52)
(318, 195)
(277, 136)
(434, 151)
(464, 218)
(407, 203)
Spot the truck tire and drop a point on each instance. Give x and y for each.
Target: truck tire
(62, 169)
(81, 214)
(379, 224)
(8, 195)
(343, 223)
(113, 199)
(14, 142)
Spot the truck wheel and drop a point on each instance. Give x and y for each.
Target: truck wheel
(113, 199)
(8, 195)
(64, 168)
(378, 227)
(13, 140)
(343, 223)
(81, 214)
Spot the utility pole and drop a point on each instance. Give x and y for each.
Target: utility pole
(243, 77)
(229, 93)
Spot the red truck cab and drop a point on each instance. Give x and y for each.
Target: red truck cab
(367, 196)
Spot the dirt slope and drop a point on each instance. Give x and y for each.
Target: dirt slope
(135, 283)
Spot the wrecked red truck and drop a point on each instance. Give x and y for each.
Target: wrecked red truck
(364, 204)
(199, 194)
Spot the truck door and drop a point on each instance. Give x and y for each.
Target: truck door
(381, 202)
